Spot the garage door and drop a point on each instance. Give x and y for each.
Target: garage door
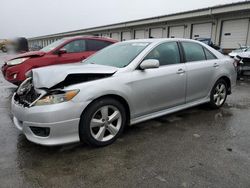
(105, 35)
(176, 32)
(115, 36)
(156, 33)
(139, 34)
(234, 32)
(202, 30)
(126, 35)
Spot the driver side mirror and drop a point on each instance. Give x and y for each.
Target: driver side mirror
(61, 51)
(150, 64)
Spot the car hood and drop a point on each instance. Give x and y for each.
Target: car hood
(28, 54)
(50, 76)
(244, 54)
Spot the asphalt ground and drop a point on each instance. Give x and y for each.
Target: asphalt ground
(198, 147)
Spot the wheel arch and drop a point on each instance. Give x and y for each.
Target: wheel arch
(119, 98)
(228, 82)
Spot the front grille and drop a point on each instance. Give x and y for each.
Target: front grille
(246, 62)
(26, 94)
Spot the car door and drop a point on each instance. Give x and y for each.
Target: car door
(75, 52)
(200, 69)
(160, 88)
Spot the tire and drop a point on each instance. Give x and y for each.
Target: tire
(4, 49)
(218, 95)
(102, 122)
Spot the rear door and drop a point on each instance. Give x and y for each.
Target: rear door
(201, 67)
(163, 87)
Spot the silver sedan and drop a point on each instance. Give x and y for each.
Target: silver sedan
(124, 84)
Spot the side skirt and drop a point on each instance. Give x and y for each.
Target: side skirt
(167, 111)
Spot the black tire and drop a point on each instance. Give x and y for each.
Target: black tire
(212, 102)
(4, 49)
(86, 117)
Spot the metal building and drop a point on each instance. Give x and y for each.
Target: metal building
(227, 25)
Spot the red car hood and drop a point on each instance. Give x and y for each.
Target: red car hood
(29, 54)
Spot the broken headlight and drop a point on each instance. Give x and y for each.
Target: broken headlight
(57, 97)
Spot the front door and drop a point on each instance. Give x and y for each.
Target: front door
(161, 88)
(76, 52)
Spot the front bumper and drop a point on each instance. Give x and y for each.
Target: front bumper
(13, 74)
(62, 120)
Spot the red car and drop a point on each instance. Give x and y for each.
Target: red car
(66, 50)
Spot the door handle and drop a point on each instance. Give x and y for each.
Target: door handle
(180, 71)
(216, 65)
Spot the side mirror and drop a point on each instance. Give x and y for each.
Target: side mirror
(150, 64)
(61, 51)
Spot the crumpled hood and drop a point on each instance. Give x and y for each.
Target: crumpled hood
(47, 77)
(28, 54)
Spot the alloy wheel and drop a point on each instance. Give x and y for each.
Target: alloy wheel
(105, 123)
(220, 94)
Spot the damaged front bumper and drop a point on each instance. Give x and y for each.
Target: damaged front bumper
(49, 124)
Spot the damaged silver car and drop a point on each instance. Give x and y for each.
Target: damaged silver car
(124, 84)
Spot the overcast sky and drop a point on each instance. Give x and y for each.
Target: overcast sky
(31, 18)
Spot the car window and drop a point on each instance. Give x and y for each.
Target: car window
(166, 54)
(209, 54)
(193, 52)
(75, 46)
(118, 55)
(53, 45)
(95, 45)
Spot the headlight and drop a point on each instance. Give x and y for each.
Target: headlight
(55, 98)
(17, 61)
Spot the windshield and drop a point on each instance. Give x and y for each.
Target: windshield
(118, 55)
(53, 45)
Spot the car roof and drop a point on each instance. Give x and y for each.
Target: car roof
(156, 40)
(91, 37)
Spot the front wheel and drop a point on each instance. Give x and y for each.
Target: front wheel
(218, 94)
(4, 49)
(102, 122)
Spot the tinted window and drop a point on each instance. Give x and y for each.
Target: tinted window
(75, 46)
(95, 45)
(209, 54)
(167, 53)
(193, 52)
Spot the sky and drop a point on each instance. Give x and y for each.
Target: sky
(31, 18)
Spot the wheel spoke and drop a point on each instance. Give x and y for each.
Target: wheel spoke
(216, 96)
(114, 116)
(112, 129)
(99, 136)
(96, 123)
(104, 112)
(218, 101)
(222, 87)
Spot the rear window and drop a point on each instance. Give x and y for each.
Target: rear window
(209, 54)
(96, 45)
(193, 52)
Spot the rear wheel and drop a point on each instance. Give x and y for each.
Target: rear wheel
(218, 94)
(102, 122)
